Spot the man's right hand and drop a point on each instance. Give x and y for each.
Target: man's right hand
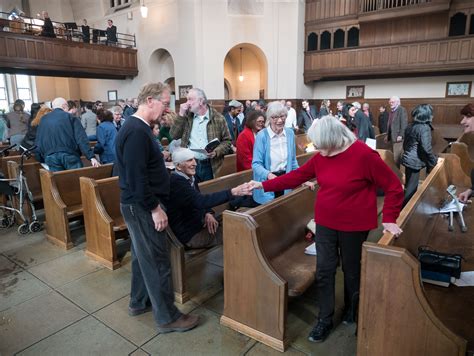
(464, 196)
(183, 109)
(159, 218)
(95, 163)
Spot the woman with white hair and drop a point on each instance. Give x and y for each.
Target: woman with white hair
(274, 151)
(348, 174)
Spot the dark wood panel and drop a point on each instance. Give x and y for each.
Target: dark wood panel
(20, 53)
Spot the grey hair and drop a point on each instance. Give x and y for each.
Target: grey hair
(200, 94)
(356, 104)
(116, 109)
(275, 108)
(329, 133)
(59, 103)
(396, 98)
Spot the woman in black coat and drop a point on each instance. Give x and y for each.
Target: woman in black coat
(418, 153)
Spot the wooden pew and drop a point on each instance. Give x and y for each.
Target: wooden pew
(438, 143)
(464, 148)
(228, 165)
(103, 220)
(62, 200)
(265, 264)
(398, 314)
(380, 142)
(31, 172)
(301, 141)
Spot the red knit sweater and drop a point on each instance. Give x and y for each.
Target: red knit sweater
(346, 199)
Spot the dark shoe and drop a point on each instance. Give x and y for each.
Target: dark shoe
(184, 323)
(135, 312)
(348, 317)
(320, 332)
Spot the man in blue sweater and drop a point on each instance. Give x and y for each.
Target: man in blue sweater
(190, 215)
(144, 185)
(61, 139)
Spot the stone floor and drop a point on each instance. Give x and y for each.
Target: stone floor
(57, 302)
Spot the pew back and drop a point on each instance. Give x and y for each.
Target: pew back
(228, 165)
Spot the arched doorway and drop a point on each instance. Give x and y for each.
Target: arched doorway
(161, 65)
(246, 72)
(227, 90)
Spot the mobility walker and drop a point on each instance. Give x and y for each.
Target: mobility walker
(17, 188)
(453, 205)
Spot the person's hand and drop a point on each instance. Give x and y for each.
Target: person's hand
(311, 185)
(394, 229)
(385, 139)
(166, 155)
(464, 196)
(234, 149)
(160, 218)
(211, 223)
(183, 108)
(95, 163)
(255, 185)
(211, 154)
(271, 176)
(399, 138)
(243, 189)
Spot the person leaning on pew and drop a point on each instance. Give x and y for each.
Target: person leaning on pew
(190, 213)
(348, 173)
(467, 122)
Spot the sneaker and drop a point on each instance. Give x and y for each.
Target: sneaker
(184, 323)
(135, 311)
(320, 332)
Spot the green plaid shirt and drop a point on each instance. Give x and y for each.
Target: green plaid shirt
(216, 128)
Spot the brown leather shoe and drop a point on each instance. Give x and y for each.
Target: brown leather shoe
(184, 323)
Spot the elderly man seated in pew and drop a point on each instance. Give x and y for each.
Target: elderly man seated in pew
(189, 212)
(348, 173)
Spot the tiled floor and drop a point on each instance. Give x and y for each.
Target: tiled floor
(56, 302)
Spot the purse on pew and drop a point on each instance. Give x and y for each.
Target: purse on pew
(439, 262)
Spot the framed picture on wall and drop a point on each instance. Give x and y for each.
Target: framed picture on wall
(183, 90)
(355, 91)
(112, 95)
(457, 89)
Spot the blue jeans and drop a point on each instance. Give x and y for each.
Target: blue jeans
(62, 161)
(204, 170)
(151, 266)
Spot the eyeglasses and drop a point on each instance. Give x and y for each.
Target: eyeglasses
(276, 117)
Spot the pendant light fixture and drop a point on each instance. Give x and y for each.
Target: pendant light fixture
(241, 76)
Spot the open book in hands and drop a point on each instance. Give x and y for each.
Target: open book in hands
(211, 146)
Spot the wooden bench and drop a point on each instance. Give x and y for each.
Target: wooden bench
(380, 142)
(62, 200)
(228, 165)
(265, 264)
(398, 314)
(464, 148)
(438, 143)
(301, 141)
(31, 172)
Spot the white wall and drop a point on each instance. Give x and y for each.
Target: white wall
(423, 87)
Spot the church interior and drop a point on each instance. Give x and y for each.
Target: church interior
(65, 252)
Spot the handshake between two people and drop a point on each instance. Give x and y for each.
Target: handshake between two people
(249, 187)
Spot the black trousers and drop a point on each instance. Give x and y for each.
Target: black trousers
(330, 244)
(151, 266)
(412, 176)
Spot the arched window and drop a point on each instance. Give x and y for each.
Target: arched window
(326, 40)
(339, 39)
(457, 25)
(353, 37)
(471, 27)
(312, 42)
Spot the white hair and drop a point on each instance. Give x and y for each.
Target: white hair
(356, 104)
(396, 98)
(59, 103)
(329, 133)
(273, 109)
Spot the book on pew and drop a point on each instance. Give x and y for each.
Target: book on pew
(437, 278)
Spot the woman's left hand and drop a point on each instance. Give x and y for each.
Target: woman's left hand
(394, 229)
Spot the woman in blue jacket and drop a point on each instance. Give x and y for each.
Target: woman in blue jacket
(106, 133)
(274, 152)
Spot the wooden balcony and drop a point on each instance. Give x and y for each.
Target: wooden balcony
(35, 55)
(375, 10)
(441, 56)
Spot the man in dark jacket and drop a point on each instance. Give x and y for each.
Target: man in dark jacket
(48, 28)
(397, 123)
(144, 186)
(383, 119)
(307, 115)
(61, 139)
(190, 215)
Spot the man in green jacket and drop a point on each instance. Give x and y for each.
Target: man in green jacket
(198, 124)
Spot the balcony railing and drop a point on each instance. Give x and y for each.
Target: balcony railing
(413, 58)
(376, 5)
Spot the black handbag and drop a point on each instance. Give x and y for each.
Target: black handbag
(440, 262)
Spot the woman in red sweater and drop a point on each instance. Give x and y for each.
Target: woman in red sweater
(348, 174)
(253, 124)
